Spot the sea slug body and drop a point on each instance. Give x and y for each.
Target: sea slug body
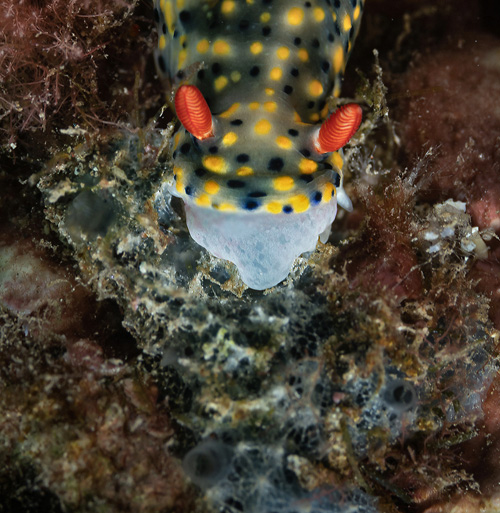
(257, 159)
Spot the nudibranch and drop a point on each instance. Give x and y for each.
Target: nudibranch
(258, 159)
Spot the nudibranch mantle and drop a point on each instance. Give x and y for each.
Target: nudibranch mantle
(258, 184)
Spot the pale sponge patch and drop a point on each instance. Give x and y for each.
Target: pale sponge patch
(262, 246)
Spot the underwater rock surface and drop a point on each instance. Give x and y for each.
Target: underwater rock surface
(367, 382)
(299, 384)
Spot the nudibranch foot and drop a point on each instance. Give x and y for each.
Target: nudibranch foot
(263, 247)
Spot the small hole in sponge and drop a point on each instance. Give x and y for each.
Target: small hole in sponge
(208, 463)
(400, 395)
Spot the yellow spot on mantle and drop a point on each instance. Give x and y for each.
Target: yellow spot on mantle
(227, 6)
(203, 46)
(169, 17)
(274, 207)
(256, 47)
(276, 73)
(327, 193)
(283, 183)
(308, 166)
(269, 91)
(235, 76)
(215, 164)
(284, 142)
(300, 203)
(244, 171)
(283, 52)
(203, 200)
(220, 83)
(265, 17)
(212, 187)
(221, 47)
(338, 59)
(356, 13)
(347, 23)
(319, 14)
(262, 127)
(162, 42)
(270, 106)
(315, 88)
(229, 112)
(254, 105)
(229, 139)
(226, 207)
(336, 159)
(303, 55)
(295, 16)
(182, 58)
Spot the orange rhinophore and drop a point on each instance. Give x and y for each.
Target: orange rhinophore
(193, 112)
(337, 130)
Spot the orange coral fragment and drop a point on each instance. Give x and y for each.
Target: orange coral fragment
(338, 129)
(193, 112)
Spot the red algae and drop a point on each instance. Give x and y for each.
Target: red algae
(59, 67)
(459, 118)
(384, 256)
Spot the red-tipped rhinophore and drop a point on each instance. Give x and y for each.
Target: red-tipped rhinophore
(193, 112)
(336, 131)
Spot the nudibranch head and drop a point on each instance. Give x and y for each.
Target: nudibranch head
(257, 156)
(259, 185)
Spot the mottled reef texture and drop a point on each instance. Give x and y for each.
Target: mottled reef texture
(137, 374)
